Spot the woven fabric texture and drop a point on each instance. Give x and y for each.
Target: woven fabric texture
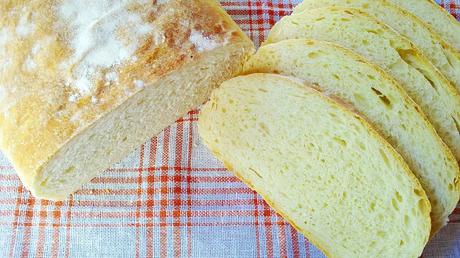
(169, 198)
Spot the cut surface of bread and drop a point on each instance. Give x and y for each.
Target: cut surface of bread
(395, 54)
(437, 17)
(373, 93)
(319, 165)
(440, 53)
(84, 82)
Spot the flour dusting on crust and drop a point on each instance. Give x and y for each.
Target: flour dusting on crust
(204, 43)
(106, 34)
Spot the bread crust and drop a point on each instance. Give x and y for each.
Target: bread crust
(39, 113)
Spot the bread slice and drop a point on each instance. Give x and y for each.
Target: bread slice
(437, 17)
(395, 54)
(440, 53)
(319, 165)
(373, 93)
(85, 82)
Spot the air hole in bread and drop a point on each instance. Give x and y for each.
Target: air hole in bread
(418, 192)
(422, 206)
(69, 170)
(312, 55)
(320, 18)
(409, 56)
(381, 234)
(406, 220)
(395, 205)
(256, 173)
(382, 97)
(384, 157)
(373, 31)
(457, 124)
(398, 197)
(372, 206)
(340, 141)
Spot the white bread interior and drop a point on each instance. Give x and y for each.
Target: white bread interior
(319, 165)
(370, 91)
(383, 46)
(143, 115)
(430, 43)
(437, 17)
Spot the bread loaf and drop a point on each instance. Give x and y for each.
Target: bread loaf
(383, 46)
(82, 83)
(373, 93)
(319, 165)
(437, 17)
(439, 52)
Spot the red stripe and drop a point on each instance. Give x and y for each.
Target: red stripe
(307, 248)
(282, 237)
(177, 178)
(150, 196)
(20, 191)
(256, 224)
(267, 212)
(294, 242)
(139, 200)
(189, 190)
(56, 225)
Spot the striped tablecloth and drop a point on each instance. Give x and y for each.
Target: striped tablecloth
(169, 198)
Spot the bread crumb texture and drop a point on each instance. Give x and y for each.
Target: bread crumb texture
(319, 165)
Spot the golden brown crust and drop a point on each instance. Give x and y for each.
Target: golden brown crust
(37, 115)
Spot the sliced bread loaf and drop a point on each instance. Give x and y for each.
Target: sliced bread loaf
(319, 165)
(440, 53)
(383, 46)
(436, 16)
(373, 93)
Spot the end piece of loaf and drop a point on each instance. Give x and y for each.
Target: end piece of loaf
(373, 93)
(430, 43)
(437, 17)
(383, 46)
(322, 167)
(85, 82)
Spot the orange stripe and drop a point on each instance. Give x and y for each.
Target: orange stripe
(164, 195)
(56, 224)
(41, 233)
(282, 237)
(15, 222)
(150, 196)
(28, 218)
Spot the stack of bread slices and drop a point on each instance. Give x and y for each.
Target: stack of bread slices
(347, 122)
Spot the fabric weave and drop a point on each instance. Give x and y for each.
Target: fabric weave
(170, 197)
